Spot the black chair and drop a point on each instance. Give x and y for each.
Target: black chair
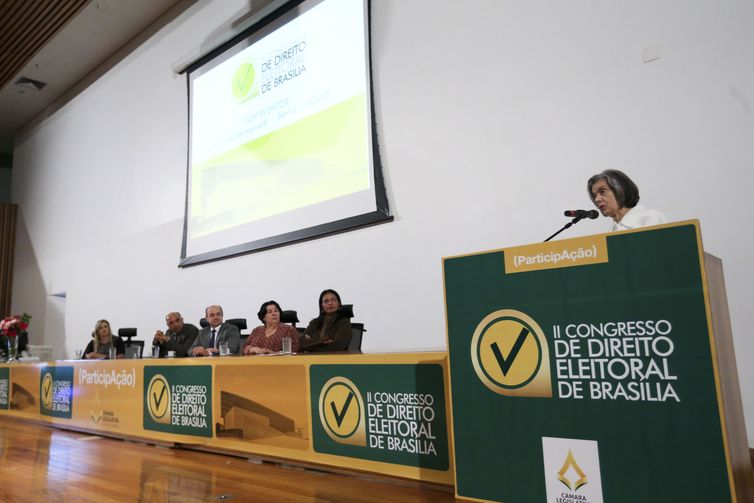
(237, 322)
(289, 316)
(127, 334)
(133, 348)
(357, 329)
(241, 324)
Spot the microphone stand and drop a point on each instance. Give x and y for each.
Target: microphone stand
(574, 221)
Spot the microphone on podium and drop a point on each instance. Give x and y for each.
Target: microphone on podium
(582, 213)
(578, 215)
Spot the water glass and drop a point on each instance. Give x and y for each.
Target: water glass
(224, 349)
(79, 353)
(112, 353)
(286, 345)
(155, 351)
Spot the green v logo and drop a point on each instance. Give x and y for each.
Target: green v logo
(505, 363)
(340, 415)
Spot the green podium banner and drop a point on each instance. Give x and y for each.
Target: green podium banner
(583, 370)
(389, 413)
(56, 391)
(178, 399)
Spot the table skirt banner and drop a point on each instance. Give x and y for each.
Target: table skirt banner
(391, 413)
(283, 407)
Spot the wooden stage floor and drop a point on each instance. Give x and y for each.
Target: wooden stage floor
(40, 464)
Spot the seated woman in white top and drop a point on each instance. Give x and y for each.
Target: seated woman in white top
(617, 197)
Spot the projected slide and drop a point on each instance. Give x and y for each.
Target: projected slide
(280, 131)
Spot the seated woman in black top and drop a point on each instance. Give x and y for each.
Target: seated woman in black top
(102, 340)
(331, 330)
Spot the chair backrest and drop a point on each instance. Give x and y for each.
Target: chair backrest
(357, 330)
(127, 333)
(237, 322)
(289, 316)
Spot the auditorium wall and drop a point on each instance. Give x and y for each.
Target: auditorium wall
(491, 115)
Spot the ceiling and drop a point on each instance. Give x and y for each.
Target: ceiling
(59, 43)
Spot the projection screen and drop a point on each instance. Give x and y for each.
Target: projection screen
(281, 134)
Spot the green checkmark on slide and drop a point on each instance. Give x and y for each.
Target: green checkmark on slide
(243, 81)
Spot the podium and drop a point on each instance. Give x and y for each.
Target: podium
(594, 369)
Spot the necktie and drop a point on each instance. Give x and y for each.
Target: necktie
(212, 339)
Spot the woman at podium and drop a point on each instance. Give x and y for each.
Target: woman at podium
(617, 197)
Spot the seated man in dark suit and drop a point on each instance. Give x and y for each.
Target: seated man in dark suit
(179, 337)
(210, 338)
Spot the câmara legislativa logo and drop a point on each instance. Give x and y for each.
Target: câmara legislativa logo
(342, 412)
(572, 470)
(510, 355)
(568, 465)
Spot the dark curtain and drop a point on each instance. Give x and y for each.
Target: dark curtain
(8, 214)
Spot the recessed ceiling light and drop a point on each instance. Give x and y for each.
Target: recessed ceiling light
(32, 84)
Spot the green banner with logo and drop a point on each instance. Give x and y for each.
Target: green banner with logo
(178, 399)
(388, 413)
(4, 388)
(581, 371)
(56, 391)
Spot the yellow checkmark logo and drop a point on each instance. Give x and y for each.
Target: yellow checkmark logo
(158, 399)
(341, 411)
(510, 354)
(47, 391)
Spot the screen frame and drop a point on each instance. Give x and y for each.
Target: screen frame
(381, 214)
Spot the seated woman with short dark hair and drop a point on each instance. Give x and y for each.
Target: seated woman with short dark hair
(268, 338)
(331, 330)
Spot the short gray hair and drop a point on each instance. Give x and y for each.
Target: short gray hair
(625, 190)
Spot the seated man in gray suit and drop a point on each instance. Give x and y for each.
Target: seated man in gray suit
(179, 337)
(210, 338)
